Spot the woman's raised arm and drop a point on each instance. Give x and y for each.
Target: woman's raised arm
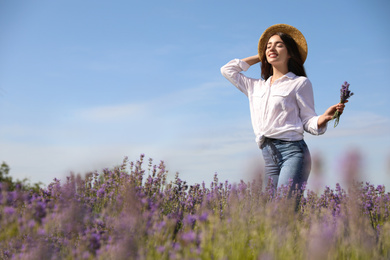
(252, 59)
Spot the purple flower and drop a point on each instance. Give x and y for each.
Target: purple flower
(9, 211)
(161, 225)
(101, 192)
(189, 237)
(86, 255)
(204, 216)
(94, 242)
(345, 94)
(31, 223)
(40, 210)
(190, 220)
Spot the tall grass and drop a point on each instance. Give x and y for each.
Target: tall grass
(132, 212)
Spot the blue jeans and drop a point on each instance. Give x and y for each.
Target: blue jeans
(285, 160)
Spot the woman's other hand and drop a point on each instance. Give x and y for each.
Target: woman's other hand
(328, 115)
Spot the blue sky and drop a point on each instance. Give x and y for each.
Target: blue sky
(85, 83)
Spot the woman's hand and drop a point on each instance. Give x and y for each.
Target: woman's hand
(252, 59)
(328, 115)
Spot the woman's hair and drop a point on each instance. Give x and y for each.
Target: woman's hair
(295, 64)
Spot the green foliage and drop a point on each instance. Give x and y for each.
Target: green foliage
(11, 185)
(4, 178)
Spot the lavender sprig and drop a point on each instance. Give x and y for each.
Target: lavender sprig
(345, 94)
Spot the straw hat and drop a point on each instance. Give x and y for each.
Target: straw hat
(287, 29)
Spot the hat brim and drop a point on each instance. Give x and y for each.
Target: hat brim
(287, 29)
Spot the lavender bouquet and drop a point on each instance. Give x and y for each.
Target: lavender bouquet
(345, 94)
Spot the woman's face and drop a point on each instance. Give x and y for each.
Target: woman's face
(276, 51)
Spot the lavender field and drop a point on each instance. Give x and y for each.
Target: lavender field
(133, 212)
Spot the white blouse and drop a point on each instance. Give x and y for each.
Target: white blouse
(283, 111)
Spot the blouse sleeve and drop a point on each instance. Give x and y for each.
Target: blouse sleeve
(232, 72)
(305, 100)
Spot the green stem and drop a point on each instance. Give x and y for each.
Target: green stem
(337, 115)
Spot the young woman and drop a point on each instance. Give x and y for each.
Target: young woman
(281, 103)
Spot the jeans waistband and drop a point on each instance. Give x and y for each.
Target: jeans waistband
(268, 140)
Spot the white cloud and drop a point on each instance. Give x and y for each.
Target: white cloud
(109, 113)
(149, 108)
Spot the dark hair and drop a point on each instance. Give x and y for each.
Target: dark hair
(295, 64)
